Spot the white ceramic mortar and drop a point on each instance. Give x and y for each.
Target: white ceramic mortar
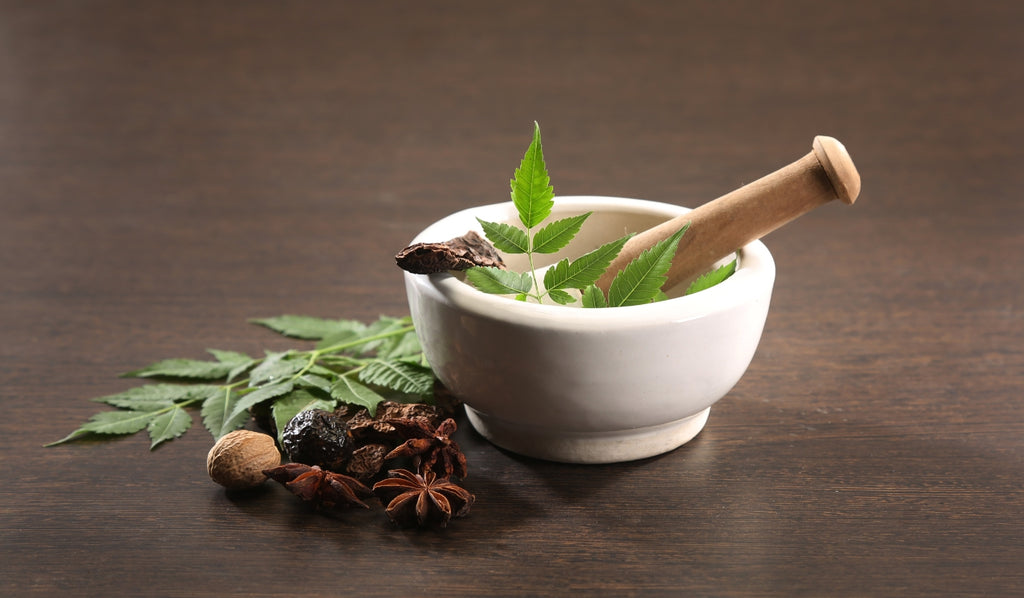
(588, 385)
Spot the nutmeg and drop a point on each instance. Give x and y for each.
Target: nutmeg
(238, 459)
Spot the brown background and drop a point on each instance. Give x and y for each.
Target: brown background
(170, 169)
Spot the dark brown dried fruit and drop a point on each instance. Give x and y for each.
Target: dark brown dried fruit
(432, 449)
(424, 500)
(460, 253)
(319, 487)
(318, 437)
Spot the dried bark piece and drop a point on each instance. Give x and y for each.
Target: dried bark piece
(460, 253)
(368, 429)
(367, 461)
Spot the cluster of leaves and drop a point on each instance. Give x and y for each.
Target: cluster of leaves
(352, 362)
(638, 283)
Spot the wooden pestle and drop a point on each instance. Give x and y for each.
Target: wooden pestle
(720, 227)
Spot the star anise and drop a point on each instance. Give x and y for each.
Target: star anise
(432, 449)
(320, 487)
(424, 500)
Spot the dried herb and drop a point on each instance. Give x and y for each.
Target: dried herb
(352, 363)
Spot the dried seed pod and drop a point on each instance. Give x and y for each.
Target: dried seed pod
(317, 437)
(238, 459)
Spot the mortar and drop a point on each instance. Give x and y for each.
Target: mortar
(618, 384)
(589, 385)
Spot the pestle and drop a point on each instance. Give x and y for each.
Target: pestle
(724, 225)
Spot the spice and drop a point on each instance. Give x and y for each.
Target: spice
(319, 487)
(432, 449)
(238, 459)
(424, 500)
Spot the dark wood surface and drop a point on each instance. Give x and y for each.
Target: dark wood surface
(170, 169)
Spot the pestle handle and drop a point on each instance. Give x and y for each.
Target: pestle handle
(720, 227)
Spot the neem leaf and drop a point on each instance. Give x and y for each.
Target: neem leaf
(640, 281)
(152, 397)
(231, 357)
(500, 282)
(405, 345)
(710, 279)
(258, 396)
(347, 390)
(402, 376)
(182, 368)
(294, 403)
(308, 327)
(532, 193)
(594, 297)
(118, 422)
(315, 381)
(219, 415)
(275, 367)
(584, 270)
(506, 237)
(169, 425)
(556, 235)
(368, 338)
(561, 297)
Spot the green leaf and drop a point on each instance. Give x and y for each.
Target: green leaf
(257, 396)
(230, 357)
(182, 368)
(402, 376)
(275, 367)
(500, 282)
(506, 237)
(561, 297)
(294, 403)
(347, 390)
(218, 413)
(532, 193)
(640, 281)
(314, 381)
(308, 327)
(556, 235)
(119, 422)
(167, 426)
(239, 362)
(710, 279)
(406, 345)
(384, 326)
(111, 423)
(584, 270)
(157, 396)
(594, 297)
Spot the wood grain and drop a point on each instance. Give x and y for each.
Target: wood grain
(169, 170)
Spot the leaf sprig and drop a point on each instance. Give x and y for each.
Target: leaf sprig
(533, 197)
(352, 363)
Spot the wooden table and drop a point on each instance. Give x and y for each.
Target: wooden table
(170, 169)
